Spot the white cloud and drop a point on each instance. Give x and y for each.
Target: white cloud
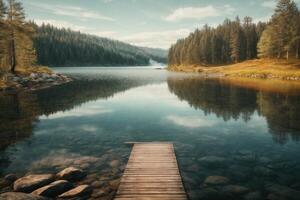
(72, 11)
(198, 12)
(88, 109)
(161, 39)
(190, 121)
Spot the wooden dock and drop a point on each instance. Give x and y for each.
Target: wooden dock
(151, 174)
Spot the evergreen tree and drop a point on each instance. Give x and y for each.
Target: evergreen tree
(2, 31)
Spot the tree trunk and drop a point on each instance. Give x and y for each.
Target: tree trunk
(287, 55)
(12, 53)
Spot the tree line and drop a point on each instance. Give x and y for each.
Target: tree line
(16, 45)
(24, 44)
(64, 47)
(240, 40)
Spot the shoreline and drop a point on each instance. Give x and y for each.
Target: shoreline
(266, 69)
(31, 80)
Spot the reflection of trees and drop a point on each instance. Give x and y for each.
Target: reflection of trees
(210, 96)
(282, 111)
(17, 116)
(20, 111)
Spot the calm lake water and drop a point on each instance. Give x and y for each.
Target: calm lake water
(247, 132)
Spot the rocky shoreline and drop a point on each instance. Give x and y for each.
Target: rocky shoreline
(31, 82)
(67, 184)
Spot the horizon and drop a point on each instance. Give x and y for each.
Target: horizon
(143, 23)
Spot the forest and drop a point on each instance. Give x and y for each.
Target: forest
(239, 40)
(25, 44)
(64, 47)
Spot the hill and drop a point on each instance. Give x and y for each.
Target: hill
(64, 47)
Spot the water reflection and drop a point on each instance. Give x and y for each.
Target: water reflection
(219, 127)
(20, 112)
(229, 100)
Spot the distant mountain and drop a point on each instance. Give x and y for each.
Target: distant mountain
(64, 47)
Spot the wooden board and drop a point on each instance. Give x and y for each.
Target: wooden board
(151, 173)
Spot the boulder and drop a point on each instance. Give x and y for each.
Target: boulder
(54, 189)
(20, 196)
(80, 191)
(32, 182)
(71, 174)
(216, 180)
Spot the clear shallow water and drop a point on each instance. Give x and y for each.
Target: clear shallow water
(218, 128)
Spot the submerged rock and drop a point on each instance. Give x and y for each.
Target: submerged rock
(20, 196)
(212, 160)
(32, 182)
(282, 192)
(216, 180)
(263, 171)
(71, 174)
(80, 191)
(235, 189)
(114, 163)
(253, 196)
(54, 189)
(10, 177)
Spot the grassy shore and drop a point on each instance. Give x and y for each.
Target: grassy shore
(259, 68)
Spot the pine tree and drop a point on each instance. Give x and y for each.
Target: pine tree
(20, 46)
(284, 23)
(2, 32)
(266, 46)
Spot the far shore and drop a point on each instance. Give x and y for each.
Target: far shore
(257, 69)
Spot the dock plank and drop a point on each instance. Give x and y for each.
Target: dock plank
(151, 173)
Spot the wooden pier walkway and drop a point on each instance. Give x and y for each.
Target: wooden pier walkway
(151, 174)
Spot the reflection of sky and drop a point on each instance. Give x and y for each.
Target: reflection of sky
(145, 113)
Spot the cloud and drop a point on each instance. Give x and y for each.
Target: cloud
(198, 12)
(72, 11)
(190, 121)
(161, 39)
(87, 110)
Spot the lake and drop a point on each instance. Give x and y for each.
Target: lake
(245, 131)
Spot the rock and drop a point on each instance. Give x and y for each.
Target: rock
(71, 174)
(10, 177)
(212, 160)
(80, 191)
(209, 194)
(114, 163)
(114, 184)
(216, 180)
(235, 189)
(97, 184)
(282, 192)
(20, 196)
(32, 182)
(54, 189)
(253, 196)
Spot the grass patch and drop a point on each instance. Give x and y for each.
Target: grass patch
(259, 68)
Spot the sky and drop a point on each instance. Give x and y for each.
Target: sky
(150, 23)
